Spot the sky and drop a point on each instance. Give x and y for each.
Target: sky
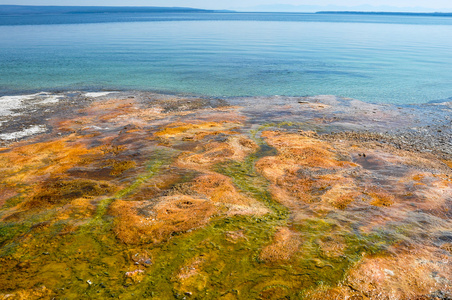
(262, 5)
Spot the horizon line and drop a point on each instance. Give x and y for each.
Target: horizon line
(235, 10)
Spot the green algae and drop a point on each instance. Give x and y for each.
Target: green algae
(10, 230)
(311, 267)
(18, 229)
(90, 262)
(100, 276)
(234, 267)
(231, 267)
(153, 167)
(87, 260)
(13, 201)
(245, 177)
(228, 265)
(321, 269)
(68, 263)
(248, 180)
(75, 262)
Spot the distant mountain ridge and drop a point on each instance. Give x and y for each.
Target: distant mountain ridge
(435, 14)
(315, 8)
(33, 10)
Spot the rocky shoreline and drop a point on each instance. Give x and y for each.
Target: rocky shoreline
(423, 128)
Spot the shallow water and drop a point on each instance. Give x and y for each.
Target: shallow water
(390, 59)
(142, 195)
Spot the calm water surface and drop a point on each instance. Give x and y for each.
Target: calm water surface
(393, 59)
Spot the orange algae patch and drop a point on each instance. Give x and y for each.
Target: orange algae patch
(305, 150)
(448, 163)
(219, 189)
(27, 163)
(119, 167)
(216, 142)
(331, 189)
(196, 131)
(415, 275)
(312, 171)
(73, 125)
(418, 177)
(307, 170)
(285, 244)
(138, 223)
(114, 110)
(447, 247)
(79, 209)
(380, 198)
(340, 197)
(430, 192)
(234, 148)
(337, 293)
(178, 128)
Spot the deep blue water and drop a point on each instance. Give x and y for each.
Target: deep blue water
(375, 58)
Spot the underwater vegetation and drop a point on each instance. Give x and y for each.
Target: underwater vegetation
(166, 197)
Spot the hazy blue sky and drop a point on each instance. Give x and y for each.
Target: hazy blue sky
(439, 5)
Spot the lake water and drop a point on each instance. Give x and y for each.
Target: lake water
(375, 58)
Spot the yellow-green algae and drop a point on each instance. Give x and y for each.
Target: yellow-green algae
(151, 169)
(75, 261)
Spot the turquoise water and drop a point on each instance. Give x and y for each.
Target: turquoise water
(390, 59)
